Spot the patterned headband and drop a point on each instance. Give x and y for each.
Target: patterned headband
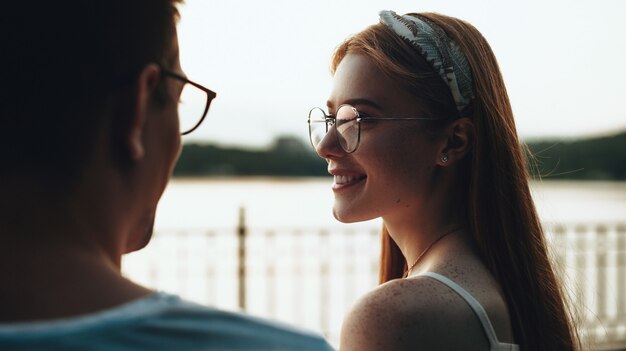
(439, 51)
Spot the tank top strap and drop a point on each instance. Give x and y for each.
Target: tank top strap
(478, 310)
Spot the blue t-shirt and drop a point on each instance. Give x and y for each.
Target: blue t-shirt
(158, 322)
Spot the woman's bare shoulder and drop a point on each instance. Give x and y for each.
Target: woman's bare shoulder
(409, 314)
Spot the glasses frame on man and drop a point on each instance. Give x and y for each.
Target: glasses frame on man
(331, 120)
(210, 95)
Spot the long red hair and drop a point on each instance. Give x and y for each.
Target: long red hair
(500, 211)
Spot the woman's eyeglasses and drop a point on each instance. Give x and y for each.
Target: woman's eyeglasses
(193, 104)
(347, 123)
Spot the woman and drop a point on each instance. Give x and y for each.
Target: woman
(421, 134)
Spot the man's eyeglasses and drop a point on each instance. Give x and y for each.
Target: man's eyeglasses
(193, 104)
(347, 122)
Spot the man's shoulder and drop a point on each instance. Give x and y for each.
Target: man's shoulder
(231, 330)
(160, 322)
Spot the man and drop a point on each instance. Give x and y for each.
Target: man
(90, 134)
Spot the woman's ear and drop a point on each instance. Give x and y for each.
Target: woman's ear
(459, 141)
(146, 85)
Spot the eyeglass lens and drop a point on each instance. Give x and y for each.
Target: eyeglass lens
(347, 127)
(317, 125)
(191, 107)
(346, 122)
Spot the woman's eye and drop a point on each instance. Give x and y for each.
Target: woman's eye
(365, 114)
(365, 119)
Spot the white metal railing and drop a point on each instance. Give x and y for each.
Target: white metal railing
(311, 276)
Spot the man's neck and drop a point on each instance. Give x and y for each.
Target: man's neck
(60, 257)
(48, 281)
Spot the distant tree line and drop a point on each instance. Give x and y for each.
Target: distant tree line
(288, 156)
(601, 158)
(593, 158)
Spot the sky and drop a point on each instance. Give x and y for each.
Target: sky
(564, 62)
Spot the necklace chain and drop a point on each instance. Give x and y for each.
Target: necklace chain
(410, 268)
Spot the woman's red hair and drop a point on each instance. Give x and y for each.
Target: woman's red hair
(500, 210)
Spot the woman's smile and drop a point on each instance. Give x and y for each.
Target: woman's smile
(344, 181)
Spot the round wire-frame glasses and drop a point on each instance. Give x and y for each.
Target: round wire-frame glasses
(347, 122)
(193, 104)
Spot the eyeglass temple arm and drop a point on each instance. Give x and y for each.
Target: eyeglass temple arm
(397, 118)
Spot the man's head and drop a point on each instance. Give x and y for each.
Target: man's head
(68, 69)
(89, 126)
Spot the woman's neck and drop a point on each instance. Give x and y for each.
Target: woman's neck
(416, 233)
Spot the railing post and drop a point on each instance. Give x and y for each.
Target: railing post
(271, 273)
(621, 273)
(325, 281)
(559, 247)
(241, 258)
(580, 244)
(601, 271)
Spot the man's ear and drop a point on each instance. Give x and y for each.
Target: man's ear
(459, 141)
(146, 85)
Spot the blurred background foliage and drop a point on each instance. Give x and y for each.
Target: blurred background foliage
(596, 158)
(599, 158)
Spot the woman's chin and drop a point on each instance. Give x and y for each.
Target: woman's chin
(346, 216)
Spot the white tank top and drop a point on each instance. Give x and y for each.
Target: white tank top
(478, 309)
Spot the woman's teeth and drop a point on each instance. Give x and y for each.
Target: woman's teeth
(340, 179)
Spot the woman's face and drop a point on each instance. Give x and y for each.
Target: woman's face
(392, 172)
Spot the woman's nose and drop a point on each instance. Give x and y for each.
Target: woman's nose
(328, 147)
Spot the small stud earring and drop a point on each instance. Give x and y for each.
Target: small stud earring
(444, 158)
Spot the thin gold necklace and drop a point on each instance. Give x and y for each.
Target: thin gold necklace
(406, 273)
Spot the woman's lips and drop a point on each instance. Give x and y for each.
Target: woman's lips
(345, 181)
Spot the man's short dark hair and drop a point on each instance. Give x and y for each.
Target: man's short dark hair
(61, 60)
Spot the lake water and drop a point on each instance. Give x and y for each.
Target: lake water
(271, 202)
(295, 272)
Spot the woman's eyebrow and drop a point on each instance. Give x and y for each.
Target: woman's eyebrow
(356, 101)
